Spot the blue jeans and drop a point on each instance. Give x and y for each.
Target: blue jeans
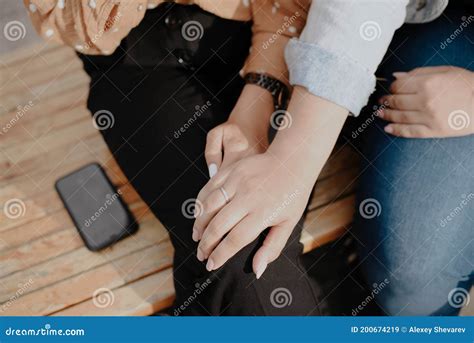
(415, 206)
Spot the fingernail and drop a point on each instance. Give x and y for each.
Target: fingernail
(388, 129)
(398, 74)
(210, 264)
(260, 269)
(195, 235)
(380, 113)
(212, 169)
(200, 255)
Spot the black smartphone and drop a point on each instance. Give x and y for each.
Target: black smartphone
(96, 207)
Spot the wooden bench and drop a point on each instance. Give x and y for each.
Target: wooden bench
(44, 267)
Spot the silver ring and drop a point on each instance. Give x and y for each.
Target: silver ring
(224, 193)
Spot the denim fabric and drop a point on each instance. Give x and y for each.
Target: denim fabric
(344, 41)
(419, 241)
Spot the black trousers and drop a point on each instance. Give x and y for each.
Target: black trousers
(166, 87)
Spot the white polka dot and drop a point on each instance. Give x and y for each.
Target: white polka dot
(61, 4)
(32, 8)
(49, 32)
(92, 4)
(292, 29)
(246, 3)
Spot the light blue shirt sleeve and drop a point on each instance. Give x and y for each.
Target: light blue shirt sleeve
(341, 47)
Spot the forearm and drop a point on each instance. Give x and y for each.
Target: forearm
(252, 113)
(305, 146)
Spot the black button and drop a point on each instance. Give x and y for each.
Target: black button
(172, 21)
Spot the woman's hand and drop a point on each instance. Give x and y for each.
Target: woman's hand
(268, 190)
(227, 143)
(430, 102)
(245, 132)
(243, 200)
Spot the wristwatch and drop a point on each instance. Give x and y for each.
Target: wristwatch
(277, 89)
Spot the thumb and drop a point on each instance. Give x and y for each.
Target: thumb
(271, 248)
(213, 150)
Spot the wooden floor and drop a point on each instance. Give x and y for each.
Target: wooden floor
(45, 268)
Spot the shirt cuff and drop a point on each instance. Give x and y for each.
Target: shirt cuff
(333, 76)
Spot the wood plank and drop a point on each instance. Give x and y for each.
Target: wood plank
(34, 175)
(40, 206)
(57, 138)
(49, 246)
(141, 298)
(79, 260)
(48, 114)
(342, 157)
(59, 220)
(327, 223)
(82, 287)
(21, 56)
(40, 69)
(334, 187)
(25, 81)
(43, 91)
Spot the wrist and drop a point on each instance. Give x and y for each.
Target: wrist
(305, 145)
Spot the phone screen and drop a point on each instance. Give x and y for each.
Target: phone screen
(96, 207)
